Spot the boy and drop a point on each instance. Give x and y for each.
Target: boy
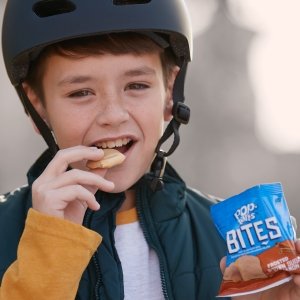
(132, 231)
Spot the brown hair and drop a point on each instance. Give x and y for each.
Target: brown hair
(114, 43)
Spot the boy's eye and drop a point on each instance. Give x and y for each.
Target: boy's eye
(80, 93)
(136, 86)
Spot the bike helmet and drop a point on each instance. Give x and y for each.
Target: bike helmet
(31, 25)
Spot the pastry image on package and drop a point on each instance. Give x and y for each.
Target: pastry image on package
(256, 225)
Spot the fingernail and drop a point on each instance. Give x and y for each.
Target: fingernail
(95, 149)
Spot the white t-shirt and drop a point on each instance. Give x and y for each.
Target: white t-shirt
(139, 263)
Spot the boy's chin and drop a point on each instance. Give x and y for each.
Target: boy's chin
(121, 188)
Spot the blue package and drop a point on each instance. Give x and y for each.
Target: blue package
(253, 221)
(259, 234)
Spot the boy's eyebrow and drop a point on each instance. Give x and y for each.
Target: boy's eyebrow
(74, 79)
(139, 71)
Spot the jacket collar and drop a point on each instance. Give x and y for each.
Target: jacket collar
(166, 204)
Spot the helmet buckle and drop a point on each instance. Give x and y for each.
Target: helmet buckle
(181, 112)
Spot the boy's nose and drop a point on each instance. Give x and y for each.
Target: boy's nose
(112, 113)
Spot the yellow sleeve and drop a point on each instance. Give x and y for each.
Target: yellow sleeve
(52, 255)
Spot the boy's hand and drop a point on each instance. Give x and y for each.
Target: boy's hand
(67, 194)
(287, 291)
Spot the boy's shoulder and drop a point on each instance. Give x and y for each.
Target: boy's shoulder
(17, 200)
(203, 198)
(192, 193)
(13, 211)
(14, 193)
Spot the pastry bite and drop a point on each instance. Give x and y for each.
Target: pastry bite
(111, 158)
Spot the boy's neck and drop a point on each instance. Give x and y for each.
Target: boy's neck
(129, 201)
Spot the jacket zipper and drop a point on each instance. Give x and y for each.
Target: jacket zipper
(87, 223)
(116, 257)
(152, 241)
(99, 276)
(99, 281)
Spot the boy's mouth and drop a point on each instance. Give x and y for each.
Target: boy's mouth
(122, 144)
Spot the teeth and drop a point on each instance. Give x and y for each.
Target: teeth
(113, 144)
(119, 143)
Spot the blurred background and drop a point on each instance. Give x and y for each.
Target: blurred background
(243, 90)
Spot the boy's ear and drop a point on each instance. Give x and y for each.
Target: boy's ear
(37, 104)
(169, 95)
(35, 100)
(168, 110)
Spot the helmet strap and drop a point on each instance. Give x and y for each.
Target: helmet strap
(181, 115)
(37, 119)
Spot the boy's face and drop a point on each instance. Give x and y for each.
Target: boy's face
(108, 101)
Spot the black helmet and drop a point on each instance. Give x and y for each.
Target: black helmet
(31, 25)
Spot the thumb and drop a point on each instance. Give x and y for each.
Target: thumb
(223, 264)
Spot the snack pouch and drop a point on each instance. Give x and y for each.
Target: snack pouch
(257, 228)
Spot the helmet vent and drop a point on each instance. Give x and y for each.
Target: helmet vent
(128, 2)
(48, 8)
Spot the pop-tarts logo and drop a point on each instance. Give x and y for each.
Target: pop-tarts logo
(245, 213)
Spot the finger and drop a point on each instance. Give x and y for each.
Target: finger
(297, 244)
(223, 264)
(54, 202)
(78, 192)
(65, 157)
(297, 281)
(80, 177)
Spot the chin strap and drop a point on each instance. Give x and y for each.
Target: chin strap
(181, 115)
(38, 121)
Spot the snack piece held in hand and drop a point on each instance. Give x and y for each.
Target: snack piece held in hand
(111, 158)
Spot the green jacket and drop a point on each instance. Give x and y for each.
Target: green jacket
(176, 222)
